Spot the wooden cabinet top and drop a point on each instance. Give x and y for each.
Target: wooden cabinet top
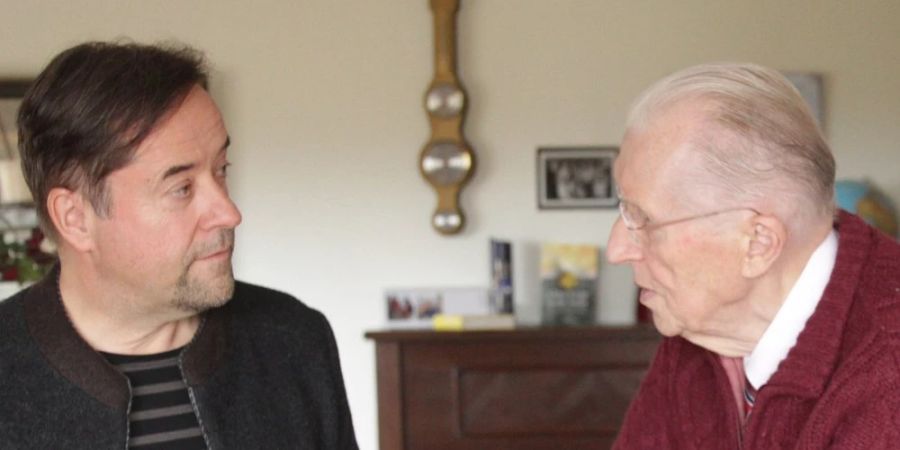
(639, 332)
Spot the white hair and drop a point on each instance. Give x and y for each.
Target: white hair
(763, 147)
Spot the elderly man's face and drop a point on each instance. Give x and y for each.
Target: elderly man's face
(169, 236)
(688, 271)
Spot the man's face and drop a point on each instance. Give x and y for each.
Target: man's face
(688, 272)
(169, 235)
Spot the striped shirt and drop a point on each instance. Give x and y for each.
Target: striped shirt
(161, 415)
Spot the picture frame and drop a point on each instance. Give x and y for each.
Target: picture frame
(412, 308)
(576, 177)
(811, 88)
(13, 189)
(14, 87)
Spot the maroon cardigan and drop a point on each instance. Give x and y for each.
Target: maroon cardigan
(839, 387)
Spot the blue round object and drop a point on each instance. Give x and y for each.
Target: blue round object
(864, 200)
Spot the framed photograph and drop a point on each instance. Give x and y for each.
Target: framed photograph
(810, 86)
(576, 177)
(13, 189)
(409, 308)
(11, 93)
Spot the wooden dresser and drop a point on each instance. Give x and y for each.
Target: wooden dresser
(524, 389)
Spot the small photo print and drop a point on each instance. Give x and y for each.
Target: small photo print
(413, 308)
(399, 308)
(576, 177)
(428, 307)
(416, 307)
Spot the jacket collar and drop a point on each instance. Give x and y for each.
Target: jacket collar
(75, 360)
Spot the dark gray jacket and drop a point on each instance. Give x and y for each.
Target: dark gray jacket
(263, 372)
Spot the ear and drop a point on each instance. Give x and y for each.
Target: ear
(766, 241)
(71, 215)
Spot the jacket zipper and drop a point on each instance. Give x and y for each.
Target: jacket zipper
(128, 414)
(193, 400)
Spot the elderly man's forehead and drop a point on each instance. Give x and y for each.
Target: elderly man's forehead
(660, 158)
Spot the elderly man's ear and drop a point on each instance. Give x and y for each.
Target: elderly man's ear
(766, 241)
(69, 212)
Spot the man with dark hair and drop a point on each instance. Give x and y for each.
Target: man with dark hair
(781, 314)
(140, 337)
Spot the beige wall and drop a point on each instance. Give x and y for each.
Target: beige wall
(323, 102)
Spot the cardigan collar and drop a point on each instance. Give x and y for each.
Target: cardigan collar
(811, 362)
(78, 362)
(798, 306)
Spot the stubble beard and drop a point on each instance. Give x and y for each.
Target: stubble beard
(196, 293)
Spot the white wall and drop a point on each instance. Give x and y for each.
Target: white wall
(323, 102)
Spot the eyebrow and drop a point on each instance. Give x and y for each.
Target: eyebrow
(175, 170)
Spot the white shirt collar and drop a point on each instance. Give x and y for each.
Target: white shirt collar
(789, 321)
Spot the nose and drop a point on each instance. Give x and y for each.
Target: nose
(621, 247)
(221, 212)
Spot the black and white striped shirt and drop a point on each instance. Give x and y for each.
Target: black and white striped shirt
(161, 413)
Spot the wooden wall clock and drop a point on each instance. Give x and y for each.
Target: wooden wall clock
(447, 160)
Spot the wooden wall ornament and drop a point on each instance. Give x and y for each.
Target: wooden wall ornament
(447, 161)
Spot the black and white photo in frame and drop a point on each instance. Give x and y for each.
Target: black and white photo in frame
(576, 177)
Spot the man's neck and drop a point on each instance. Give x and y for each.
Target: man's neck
(743, 323)
(773, 289)
(112, 320)
(739, 327)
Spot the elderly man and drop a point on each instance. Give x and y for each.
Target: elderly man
(782, 318)
(140, 337)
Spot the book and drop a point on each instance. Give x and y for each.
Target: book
(568, 284)
(501, 277)
(458, 322)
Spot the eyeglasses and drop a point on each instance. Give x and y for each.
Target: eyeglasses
(635, 219)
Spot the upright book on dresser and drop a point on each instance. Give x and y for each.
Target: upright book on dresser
(568, 284)
(501, 277)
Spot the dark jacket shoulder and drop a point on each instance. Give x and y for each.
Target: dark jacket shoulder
(276, 310)
(12, 323)
(279, 321)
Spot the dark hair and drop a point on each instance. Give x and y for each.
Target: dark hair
(88, 111)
